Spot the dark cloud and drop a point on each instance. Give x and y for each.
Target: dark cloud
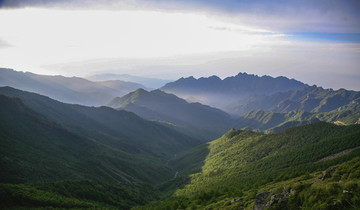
(332, 16)
(24, 3)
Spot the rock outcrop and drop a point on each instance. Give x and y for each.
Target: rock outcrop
(261, 200)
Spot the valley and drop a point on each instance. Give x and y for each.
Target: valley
(284, 144)
(180, 105)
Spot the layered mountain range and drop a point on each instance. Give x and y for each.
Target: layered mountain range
(220, 93)
(74, 90)
(310, 99)
(147, 81)
(160, 106)
(270, 143)
(102, 134)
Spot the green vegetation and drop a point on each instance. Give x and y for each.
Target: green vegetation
(35, 149)
(258, 158)
(44, 141)
(242, 163)
(75, 194)
(199, 120)
(271, 122)
(55, 155)
(309, 99)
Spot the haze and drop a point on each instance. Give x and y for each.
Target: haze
(317, 43)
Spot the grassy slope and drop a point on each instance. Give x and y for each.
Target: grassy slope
(241, 162)
(248, 155)
(310, 99)
(74, 194)
(341, 191)
(270, 122)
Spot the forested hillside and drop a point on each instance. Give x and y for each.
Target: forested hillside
(193, 118)
(270, 122)
(242, 163)
(61, 146)
(309, 99)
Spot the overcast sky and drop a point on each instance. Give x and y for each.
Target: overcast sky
(317, 42)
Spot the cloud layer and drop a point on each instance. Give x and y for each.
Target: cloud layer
(313, 41)
(331, 16)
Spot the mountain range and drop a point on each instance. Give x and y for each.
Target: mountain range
(160, 106)
(272, 122)
(310, 99)
(74, 90)
(274, 143)
(210, 123)
(219, 93)
(109, 143)
(149, 82)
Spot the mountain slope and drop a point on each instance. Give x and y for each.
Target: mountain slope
(219, 93)
(122, 86)
(67, 89)
(257, 157)
(240, 163)
(118, 145)
(75, 194)
(277, 121)
(34, 149)
(310, 99)
(160, 106)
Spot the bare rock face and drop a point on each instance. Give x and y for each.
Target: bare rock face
(326, 174)
(235, 200)
(280, 198)
(261, 200)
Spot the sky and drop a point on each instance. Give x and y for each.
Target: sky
(316, 42)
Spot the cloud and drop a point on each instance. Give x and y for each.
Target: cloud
(331, 16)
(4, 44)
(276, 37)
(328, 65)
(71, 4)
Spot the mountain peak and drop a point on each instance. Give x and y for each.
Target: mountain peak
(242, 74)
(231, 133)
(140, 91)
(220, 93)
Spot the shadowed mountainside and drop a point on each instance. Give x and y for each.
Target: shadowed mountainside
(160, 106)
(86, 142)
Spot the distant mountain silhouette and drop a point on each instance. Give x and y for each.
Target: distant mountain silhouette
(219, 93)
(67, 89)
(153, 83)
